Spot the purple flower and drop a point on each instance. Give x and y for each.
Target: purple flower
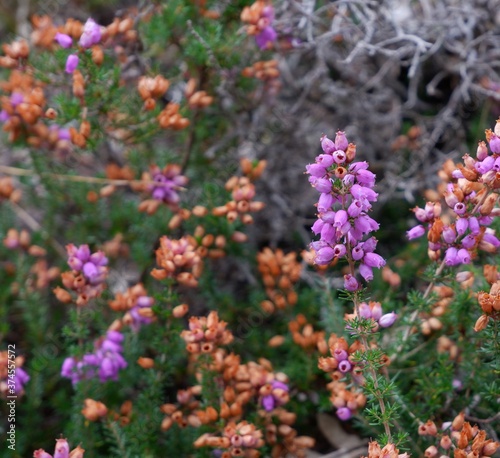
(350, 283)
(344, 413)
(266, 37)
(366, 272)
(325, 202)
(495, 144)
(105, 362)
(268, 402)
(415, 232)
(341, 141)
(387, 320)
(324, 255)
(71, 63)
(327, 145)
(91, 34)
(344, 366)
(64, 40)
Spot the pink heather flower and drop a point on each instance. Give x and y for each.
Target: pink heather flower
(4, 116)
(463, 256)
(364, 310)
(376, 311)
(344, 366)
(341, 141)
(326, 160)
(449, 234)
(64, 40)
(41, 453)
(468, 242)
(340, 355)
(316, 170)
(415, 232)
(71, 63)
(387, 320)
(346, 196)
(495, 144)
(16, 98)
(461, 225)
(374, 260)
(350, 283)
(339, 156)
(323, 185)
(266, 37)
(450, 257)
(344, 413)
(91, 34)
(62, 449)
(482, 151)
(324, 255)
(339, 250)
(105, 362)
(327, 145)
(366, 272)
(325, 202)
(460, 208)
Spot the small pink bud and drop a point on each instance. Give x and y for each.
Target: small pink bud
(64, 40)
(71, 63)
(341, 141)
(344, 413)
(387, 320)
(482, 151)
(327, 145)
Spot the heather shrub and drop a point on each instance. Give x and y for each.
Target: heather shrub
(171, 282)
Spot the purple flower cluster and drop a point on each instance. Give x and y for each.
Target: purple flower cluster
(471, 204)
(373, 310)
(142, 302)
(346, 196)
(91, 35)
(169, 181)
(105, 362)
(278, 396)
(91, 265)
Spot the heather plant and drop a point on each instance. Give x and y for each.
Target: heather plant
(151, 302)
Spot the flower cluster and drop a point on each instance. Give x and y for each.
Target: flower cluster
(304, 335)
(346, 193)
(152, 88)
(338, 365)
(490, 306)
(205, 334)
(137, 305)
(17, 379)
(105, 362)
(238, 439)
(373, 311)
(61, 451)
(167, 182)
(388, 451)
(91, 35)
(178, 259)
(184, 412)
(457, 438)
(472, 202)
(87, 277)
(241, 205)
(279, 274)
(260, 16)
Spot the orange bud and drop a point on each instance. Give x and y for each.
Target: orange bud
(146, 363)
